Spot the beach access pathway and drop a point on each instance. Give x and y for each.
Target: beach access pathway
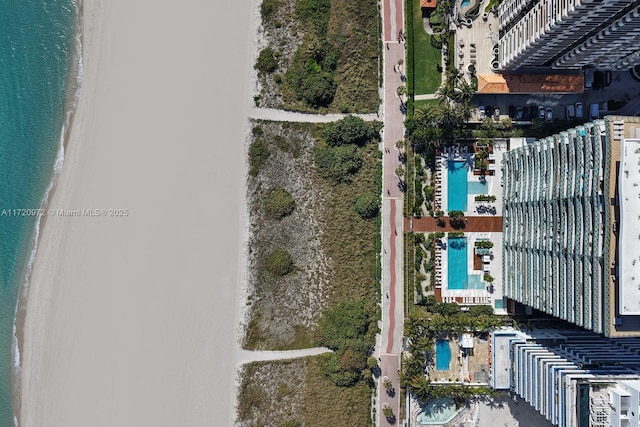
(250, 356)
(389, 346)
(292, 116)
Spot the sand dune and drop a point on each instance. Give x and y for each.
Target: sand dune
(132, 320)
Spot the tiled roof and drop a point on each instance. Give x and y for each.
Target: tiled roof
(530, 83)
(428, 3)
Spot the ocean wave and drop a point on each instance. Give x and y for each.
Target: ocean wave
(73, 95)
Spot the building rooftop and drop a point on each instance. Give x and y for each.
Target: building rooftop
(429, 4)
(530, 83)
(629, 240)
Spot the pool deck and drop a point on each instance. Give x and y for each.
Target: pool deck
(483, 221)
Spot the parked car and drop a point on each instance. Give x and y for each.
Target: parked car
(571, 112)
(496, 113)
(594, 111)
(512, 112)
(541, 112)
(579, 110)
(519, 113)
(481, 112)
(549, 114)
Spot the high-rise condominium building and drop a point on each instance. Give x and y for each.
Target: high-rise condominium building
(573, 378)
(569, 34)
(571, 225)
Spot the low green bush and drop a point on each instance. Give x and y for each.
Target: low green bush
(279, 262)
(278, 203)
(368, 205)
(267, 61)
(258, 155)
(310, 79)
(316, 12)
(338, 164)
(268, 8)
(350, 130)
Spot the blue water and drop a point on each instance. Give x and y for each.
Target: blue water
(457, 186)
(477, 187)
(443, 355)
(437, 411)
(465, 3)
(457, 263)
(38, 39)
(474, 281)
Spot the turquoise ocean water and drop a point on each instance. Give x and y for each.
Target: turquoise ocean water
(38, 54)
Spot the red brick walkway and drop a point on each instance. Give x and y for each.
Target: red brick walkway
(485, 224)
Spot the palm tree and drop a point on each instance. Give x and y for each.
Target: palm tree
(421, 388)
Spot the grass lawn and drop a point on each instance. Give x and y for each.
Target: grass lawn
(423, 102)
(426, 58)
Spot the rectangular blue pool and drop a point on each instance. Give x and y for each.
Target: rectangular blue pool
(443, 355)
(457, 186)
(457, 276)
(478, 187)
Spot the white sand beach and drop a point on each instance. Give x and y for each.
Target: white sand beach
(133, 320)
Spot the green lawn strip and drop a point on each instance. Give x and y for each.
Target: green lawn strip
(423, 102)
(426, 58)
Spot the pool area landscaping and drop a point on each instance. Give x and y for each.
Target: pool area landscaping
(443, 355)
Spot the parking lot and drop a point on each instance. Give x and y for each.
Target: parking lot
(621, 87)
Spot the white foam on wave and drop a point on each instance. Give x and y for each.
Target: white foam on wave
(57, 168)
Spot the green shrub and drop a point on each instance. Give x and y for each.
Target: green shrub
(258, 155)
(309, 81)
(279, 262)
(278, 203)
(268, 8)
(484, 244)
(368, 205)
(316, 12)
(436, 42)
(479, 310)
(291, 423)
(338, 163)
(456, 234)
(350, 130)
(267, 61)
(345, 325)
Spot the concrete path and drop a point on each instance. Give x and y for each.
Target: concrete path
(292, 116)
(248, 356)
(389, 345)
(427, 96)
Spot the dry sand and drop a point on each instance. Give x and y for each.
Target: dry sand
(132, 321)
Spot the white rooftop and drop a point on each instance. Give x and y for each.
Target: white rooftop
(629, 240)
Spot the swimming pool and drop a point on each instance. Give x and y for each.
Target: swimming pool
(457, 263)
(443, 355)
(465, 3)
(457, 186)
(439, 411)
(477, 187)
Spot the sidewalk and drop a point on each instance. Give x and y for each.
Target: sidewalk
(390, 342)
